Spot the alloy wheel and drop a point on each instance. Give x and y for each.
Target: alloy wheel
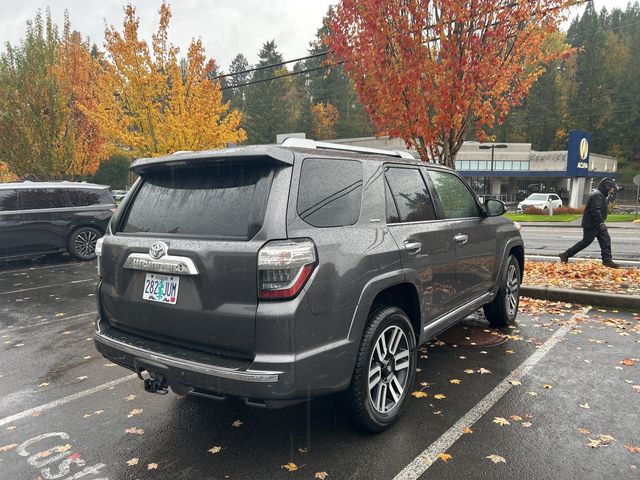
(513, 288)
(85, 243)
(388, 369)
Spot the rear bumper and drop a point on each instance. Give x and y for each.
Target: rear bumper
(269, 380)
(131, 355)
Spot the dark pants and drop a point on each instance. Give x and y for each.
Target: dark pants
(588, 236)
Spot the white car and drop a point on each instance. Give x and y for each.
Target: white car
(543, 201)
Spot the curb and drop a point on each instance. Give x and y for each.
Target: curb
(584, 297)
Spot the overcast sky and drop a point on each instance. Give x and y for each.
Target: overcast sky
(226, 27)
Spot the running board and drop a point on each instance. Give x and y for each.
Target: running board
(438, 325)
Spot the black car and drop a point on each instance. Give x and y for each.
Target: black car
(39, 218)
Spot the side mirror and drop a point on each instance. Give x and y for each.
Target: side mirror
(494, 207)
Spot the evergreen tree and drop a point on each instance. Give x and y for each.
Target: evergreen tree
(267, 104)
(332, 86)
(237, 95)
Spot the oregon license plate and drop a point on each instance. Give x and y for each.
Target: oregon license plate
(161, 288)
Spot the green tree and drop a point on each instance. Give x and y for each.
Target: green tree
(113, 172)
(267, 102)
(332, 86)
(31, 124)
(236, 96)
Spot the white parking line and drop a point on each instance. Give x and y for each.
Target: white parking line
(46, 322)
(57, 285)
(67, 399)
(422, 462)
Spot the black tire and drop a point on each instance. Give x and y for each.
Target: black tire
(82, 243)
(503, 309)
(388, 326)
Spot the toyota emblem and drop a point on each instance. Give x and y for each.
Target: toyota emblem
(158, 250)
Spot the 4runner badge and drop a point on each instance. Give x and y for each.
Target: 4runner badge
(158, 250)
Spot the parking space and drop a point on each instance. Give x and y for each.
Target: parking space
(558, 399)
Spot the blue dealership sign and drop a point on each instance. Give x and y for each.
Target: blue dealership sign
(578, 153)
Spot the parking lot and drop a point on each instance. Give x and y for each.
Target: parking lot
(557, 397)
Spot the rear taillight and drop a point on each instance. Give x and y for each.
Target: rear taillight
(284, 266)
(98, 251)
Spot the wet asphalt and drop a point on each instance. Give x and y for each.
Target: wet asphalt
(550, 241)
(60, 417)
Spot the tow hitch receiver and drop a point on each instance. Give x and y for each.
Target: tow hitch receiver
(156, 383)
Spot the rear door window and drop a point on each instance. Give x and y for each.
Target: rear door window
(223, 201)
(408, 199)
(456, 198)
(330, 192)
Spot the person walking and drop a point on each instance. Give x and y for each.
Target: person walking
(593, 226)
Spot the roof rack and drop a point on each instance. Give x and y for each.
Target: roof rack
(307, 143)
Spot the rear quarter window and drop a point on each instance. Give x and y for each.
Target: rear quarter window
(330, 192)
(8, 200)
(221, 201)
(86, 197)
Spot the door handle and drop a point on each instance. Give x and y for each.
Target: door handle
(461, 239)
(412, 247)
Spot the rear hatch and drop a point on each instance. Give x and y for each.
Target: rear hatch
(210, 218)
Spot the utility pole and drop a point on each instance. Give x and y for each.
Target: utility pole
(492, 146)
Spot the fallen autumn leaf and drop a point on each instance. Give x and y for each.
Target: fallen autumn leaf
(501, 421)
(291, 467)
(496, 458)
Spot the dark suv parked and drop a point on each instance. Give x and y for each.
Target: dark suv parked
(279, 273)
(38, 218)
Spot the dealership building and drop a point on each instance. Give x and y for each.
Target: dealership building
(512, 171)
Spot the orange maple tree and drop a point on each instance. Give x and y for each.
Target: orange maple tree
(152, 103)
(325, 116)
(77, 74)
(429, 71)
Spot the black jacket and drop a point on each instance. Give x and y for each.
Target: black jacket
(595, 212)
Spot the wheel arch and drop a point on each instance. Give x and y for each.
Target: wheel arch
(393, 289)
(513, 247)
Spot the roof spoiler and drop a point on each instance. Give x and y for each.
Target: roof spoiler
(184, 158)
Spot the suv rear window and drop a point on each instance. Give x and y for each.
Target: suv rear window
(330, 192)
(223, 201)
(84, 197)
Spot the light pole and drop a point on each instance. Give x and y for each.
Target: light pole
(492, 146)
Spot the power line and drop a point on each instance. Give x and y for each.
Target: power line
(290, 74)
(272, 65)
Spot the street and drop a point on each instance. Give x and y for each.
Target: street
(549, 241)
(556, 396)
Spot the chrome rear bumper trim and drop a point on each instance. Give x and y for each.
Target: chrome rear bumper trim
(245, 376)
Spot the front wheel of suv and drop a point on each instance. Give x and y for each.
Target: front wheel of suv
(82, 243)
(384, 372)
(504, 308)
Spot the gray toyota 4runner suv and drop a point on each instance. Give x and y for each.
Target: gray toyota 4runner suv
(279, 273)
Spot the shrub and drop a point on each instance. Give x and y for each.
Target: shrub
(570, 210)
